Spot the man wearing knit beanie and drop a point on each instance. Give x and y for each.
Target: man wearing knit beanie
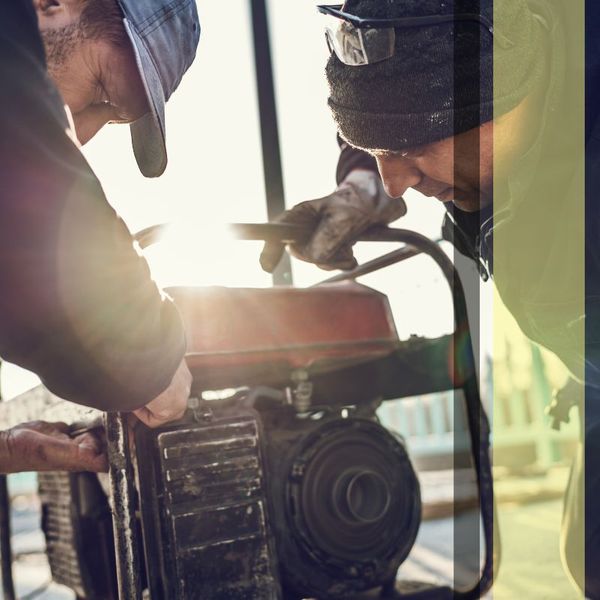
(426, 91)
(481, 106)
(421, 99)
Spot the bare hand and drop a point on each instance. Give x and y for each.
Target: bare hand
(337, 221)
(41, 446)
(171, 404)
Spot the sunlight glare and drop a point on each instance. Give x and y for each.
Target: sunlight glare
(203, 254)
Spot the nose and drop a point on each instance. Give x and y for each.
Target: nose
(398, 173)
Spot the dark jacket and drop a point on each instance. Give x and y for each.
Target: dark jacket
(77, 304)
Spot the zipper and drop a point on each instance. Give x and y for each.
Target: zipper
(451, 231)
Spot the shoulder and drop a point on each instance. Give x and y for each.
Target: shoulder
(19, 29)
(27, 91)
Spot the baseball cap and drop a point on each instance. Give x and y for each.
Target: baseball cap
(164, 35)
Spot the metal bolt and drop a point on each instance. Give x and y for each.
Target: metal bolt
(303, 391)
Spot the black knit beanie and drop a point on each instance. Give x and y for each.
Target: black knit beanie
(443, 79)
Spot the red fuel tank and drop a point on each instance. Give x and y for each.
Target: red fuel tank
(234, 332)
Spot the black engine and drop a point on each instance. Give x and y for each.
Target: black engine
(242, 503)
(247, 498)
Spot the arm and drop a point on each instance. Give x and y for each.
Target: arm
(78, 306)
(352, 159)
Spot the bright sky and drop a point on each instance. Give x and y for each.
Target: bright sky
(215, 167)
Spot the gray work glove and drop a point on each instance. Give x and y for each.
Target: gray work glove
(337, 221)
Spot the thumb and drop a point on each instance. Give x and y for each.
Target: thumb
(305, 214)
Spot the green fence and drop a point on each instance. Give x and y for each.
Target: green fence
(21, 484)
(434, 426)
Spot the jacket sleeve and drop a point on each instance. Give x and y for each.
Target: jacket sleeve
(351, 159)
(77, 303)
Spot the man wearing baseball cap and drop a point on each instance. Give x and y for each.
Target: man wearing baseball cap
(78, 306)
(492, 108)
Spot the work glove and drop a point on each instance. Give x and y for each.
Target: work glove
(337, 221)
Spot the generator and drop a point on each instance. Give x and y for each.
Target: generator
(280, 482)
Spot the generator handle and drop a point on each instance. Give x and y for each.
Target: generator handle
(294, 234)
(268, 232)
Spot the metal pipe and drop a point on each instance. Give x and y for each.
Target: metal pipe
(478, 425)
(374, 265)
(122, 493)
(269, 232)
(269, 128)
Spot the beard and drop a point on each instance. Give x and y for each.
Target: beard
(59, 45)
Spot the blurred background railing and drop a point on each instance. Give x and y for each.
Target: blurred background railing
(434, 426)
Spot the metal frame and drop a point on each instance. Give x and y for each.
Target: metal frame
(122, 481)
(478, 425)
(269, 127)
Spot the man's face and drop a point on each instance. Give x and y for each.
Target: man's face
(98, 81)
(457, 169)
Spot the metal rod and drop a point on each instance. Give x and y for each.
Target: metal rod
(123, 508)
(269, 232)
(374, 265)
(269, 128)
(8, 586)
